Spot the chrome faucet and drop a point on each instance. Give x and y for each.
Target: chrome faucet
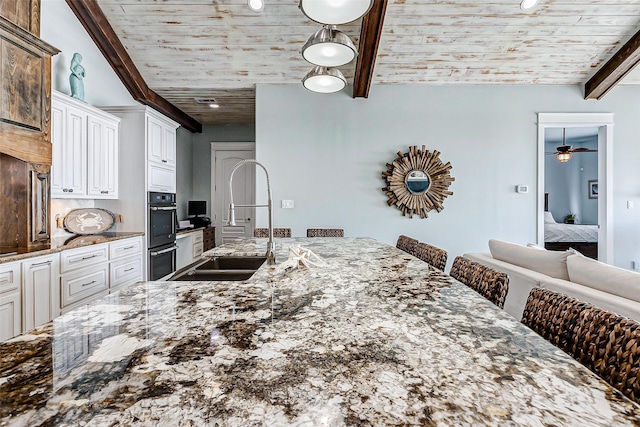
(271, 246)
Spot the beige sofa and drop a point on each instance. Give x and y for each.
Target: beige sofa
(605, 286)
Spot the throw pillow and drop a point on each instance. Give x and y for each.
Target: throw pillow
(548, 218)
(604, 277)
(551, 263)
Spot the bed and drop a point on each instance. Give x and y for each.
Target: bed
(559, 237)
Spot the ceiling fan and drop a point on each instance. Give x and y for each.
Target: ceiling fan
(565, 152)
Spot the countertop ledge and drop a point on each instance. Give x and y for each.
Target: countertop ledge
(60, 244)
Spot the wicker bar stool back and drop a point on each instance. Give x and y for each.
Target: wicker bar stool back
(277, 232)
(432, 255)
(604, 342)
(407, 244)
(491, 284)
(325, 232)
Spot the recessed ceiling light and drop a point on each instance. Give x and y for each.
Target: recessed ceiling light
(528, 4)
(214, 106)
(256, 5)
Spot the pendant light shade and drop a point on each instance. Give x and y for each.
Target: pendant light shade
(329, 47)
(324, 80)
(335, 12)
(564, 157)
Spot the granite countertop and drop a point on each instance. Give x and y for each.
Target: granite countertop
(373, 337)
(59, 244)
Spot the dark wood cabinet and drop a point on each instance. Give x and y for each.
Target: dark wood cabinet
(208, 238)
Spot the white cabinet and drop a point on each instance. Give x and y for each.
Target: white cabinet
(190, 246)
(40, 291)
(69, 150)
(85, 150)
(10, 301)
(102, 158)
(161, 155)
(161, 142)
(125, 267)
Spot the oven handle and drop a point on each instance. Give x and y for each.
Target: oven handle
(168, 208)
(164, 251)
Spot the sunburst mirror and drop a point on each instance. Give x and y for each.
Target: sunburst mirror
(417, 182)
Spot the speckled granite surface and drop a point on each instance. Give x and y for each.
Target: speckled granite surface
(59, 244)
(374, 338)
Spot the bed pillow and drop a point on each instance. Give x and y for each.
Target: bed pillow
(604, 277)
(548, 218)
(551, 263)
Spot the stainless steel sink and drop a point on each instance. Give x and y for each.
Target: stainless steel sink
(232, 268)
(233, 263)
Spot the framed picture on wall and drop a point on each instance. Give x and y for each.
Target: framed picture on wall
(593, 189)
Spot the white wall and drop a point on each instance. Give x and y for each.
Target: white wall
(184, 168)
(327, 152)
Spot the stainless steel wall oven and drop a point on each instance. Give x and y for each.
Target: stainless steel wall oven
(163, 220)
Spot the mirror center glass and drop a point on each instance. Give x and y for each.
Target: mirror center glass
(417, 182)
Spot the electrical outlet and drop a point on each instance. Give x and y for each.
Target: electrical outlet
(635, 265)
(287, 204)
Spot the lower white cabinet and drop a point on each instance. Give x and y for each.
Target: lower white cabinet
(10, 300)
(190, 245)
(36, 290)
(40, 290)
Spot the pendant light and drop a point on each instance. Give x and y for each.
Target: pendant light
(324, 80)
(335, 12)
(329, 47)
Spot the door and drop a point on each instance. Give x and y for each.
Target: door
(602, 124)
(224, 160)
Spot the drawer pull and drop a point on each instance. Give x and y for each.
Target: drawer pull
(128, 247)
(89, 257)
(87, 284)
(41, 263)
(129, 269)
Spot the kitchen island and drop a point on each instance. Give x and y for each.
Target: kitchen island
(372, 337)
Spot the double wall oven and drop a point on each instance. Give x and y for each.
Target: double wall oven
(163, 220)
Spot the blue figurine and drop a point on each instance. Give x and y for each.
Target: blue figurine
(76, 77)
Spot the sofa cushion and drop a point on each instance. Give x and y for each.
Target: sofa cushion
(605, 277)
(551, 263)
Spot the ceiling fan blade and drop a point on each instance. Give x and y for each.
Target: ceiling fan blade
(583, 150)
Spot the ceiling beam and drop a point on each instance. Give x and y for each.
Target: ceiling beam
(370, 34)
(105, 38)
(610, 74)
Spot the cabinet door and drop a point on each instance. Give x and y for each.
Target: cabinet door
(169, 145)
(161, 178)
(155, 141)
(74, 153)
(10, 313)
(40, 291)
(57, 142)
(69, 140)
(102, 168)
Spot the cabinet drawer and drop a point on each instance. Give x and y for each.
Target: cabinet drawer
(74, 259)
(197, 236)
(126, 272)
(82, 284)
(9, 277)
(197, 250)
(124, 248)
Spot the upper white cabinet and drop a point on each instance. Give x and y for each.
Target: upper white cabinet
(85, 150)
(161, 155)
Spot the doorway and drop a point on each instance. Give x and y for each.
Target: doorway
(580, 186)
(224, 157)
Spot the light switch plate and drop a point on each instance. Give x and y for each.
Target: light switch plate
(287, 204)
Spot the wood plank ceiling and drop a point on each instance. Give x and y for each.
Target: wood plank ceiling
(186, 49)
